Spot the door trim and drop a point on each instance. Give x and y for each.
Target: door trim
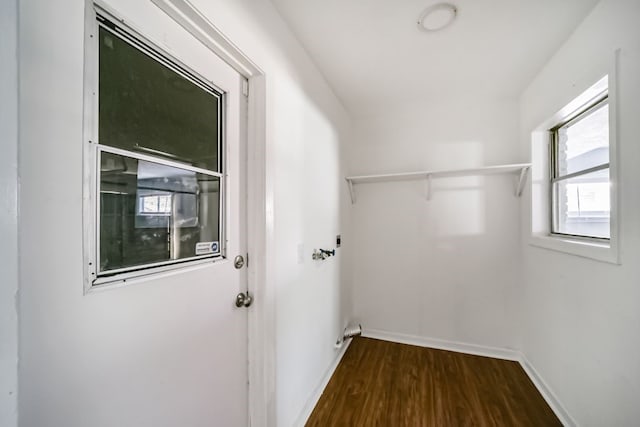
(10, 263)
(260, 200)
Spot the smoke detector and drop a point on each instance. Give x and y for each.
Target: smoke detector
(437, 17)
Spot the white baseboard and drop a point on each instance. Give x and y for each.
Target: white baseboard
(548, 395)
(317, 392)
(479, 350)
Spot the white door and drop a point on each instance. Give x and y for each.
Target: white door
(203, 380)
(228, 337)
(225, 324)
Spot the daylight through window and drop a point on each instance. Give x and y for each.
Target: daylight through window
(580, 173)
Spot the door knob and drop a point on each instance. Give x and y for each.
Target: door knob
(244, 299)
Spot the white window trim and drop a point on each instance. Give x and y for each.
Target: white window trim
(93, 279)
(540, 235)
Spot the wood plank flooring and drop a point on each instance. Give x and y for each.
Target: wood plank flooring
(379, 383)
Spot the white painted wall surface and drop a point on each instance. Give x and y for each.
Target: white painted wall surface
(580, 316)
(70, 377)
(445, 268)
(8, 213)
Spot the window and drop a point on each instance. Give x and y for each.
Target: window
(580, 205)
(574, 170)
(158, 174)
(154, 204)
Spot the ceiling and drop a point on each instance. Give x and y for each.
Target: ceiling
(373, 55)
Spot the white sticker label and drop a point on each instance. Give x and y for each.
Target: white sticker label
(203, 248)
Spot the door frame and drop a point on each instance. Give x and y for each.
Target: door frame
(9, 220)
(260, 210)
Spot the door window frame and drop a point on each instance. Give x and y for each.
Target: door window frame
(93, 278)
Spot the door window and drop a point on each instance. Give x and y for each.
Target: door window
(158, 164)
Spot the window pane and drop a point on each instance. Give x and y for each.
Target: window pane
(149, 204)
(584, 143)
(583, 206)
(151, 213)
(147, 107)
(164, 204)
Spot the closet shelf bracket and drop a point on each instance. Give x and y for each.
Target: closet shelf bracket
(352, 191)
(521, 180)
(428, 186)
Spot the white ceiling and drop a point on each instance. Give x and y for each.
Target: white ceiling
(373, 55)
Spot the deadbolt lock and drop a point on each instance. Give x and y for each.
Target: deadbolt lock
(238, 262)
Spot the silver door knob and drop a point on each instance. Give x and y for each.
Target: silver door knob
(244, 299)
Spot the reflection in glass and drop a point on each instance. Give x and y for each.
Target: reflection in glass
(149, 108)
(150, 212)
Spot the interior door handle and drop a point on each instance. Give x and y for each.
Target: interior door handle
(244, 299)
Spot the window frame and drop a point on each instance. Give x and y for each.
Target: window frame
(97, 17)
(571, 96)
(599, 101)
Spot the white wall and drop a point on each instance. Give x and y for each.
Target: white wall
(444, 268)
(8, 213)
(581, 316)
(306, 131)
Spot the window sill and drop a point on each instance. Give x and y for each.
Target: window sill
(602, 252)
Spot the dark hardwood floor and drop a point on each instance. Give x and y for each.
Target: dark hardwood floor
(379, 383)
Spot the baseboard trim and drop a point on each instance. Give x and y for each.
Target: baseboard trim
(317, 392)
(478, 350)
(487, 351)
(546, 392)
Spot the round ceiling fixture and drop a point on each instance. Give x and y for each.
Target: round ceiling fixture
(437, 17)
